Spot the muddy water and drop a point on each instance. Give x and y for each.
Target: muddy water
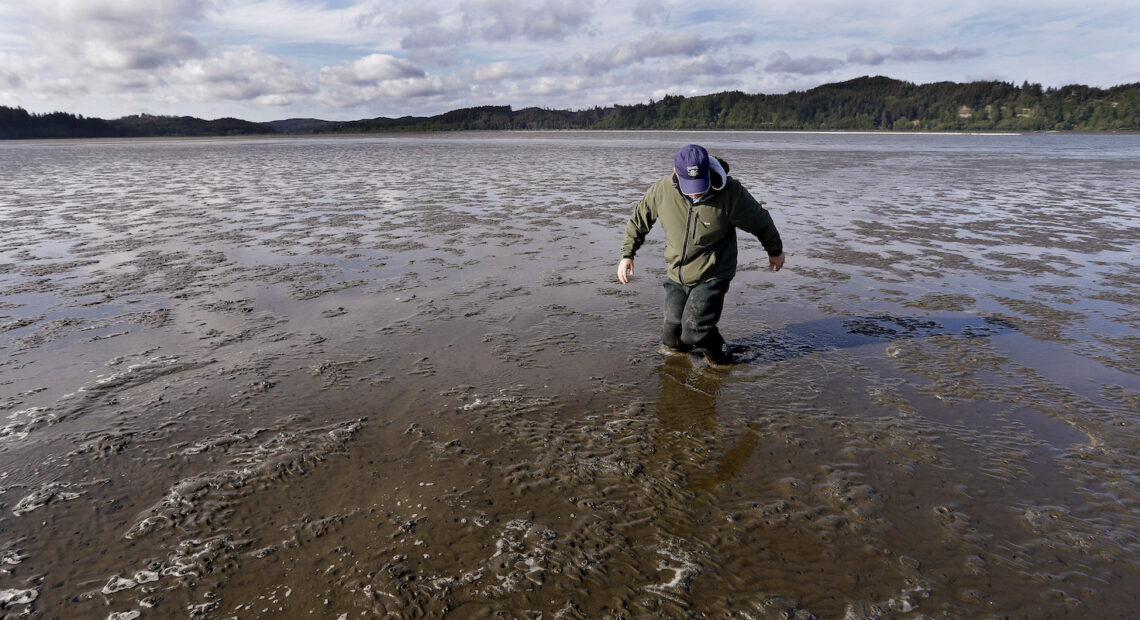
(348, 377)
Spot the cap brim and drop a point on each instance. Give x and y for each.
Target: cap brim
(693, 186)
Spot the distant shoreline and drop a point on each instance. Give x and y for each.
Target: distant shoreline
(394, 134)
(867, 104)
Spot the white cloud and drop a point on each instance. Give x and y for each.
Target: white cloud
(403, 93)
(118, 35)
(709, 65)
(781, 62)
(371, 69)
(624, 55)
(293, 22)
(501, 70)
(420, 57)
(650, 12)
(546, 87)
(503, 20)
(241, 75)
(907, 54)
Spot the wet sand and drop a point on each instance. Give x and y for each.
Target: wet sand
(350, 377)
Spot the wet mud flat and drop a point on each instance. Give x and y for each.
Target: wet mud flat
(357, 377)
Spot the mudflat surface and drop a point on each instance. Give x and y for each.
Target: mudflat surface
(347, 377)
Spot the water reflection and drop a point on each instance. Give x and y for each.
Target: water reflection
(690, 428)
(687, 402)
(799, 339)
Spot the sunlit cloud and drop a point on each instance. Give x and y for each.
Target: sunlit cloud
(371, 69)
(243, 75)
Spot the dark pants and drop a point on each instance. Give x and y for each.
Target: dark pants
(691, 314)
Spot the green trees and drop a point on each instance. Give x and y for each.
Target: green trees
(17, 123)
(866, 103)
(880, 103)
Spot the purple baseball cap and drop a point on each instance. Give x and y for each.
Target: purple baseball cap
(692, 167)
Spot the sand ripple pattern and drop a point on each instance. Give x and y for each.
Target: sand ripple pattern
(365, 376)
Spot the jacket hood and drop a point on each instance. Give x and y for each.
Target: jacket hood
(717, 174)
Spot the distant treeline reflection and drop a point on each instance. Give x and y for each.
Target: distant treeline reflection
(867, 103)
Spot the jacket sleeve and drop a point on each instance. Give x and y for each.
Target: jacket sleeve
(749, 215)
(640, 223)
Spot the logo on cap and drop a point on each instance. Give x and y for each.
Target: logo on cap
(694, 171)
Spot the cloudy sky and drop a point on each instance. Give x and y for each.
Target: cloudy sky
(349, 59)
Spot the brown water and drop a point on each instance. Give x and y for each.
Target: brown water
(348, 377)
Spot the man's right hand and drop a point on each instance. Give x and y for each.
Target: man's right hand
(625, 270)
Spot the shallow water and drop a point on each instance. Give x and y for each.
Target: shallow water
(350, 376)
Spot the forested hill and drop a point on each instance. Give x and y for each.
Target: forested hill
(17, 123)
(868, 103)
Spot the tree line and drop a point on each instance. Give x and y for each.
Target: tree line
(867, 103)
(17, 123)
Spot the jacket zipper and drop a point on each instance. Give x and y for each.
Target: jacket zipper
(685, 245)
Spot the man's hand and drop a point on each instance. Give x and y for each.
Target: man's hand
(625, 270)
(776, 263)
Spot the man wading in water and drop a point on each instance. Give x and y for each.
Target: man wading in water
(700, 208)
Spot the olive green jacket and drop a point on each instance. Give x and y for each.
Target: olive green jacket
(700, 238)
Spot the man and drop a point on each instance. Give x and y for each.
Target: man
(700, 208)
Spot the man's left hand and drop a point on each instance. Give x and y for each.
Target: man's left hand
(776, 263)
